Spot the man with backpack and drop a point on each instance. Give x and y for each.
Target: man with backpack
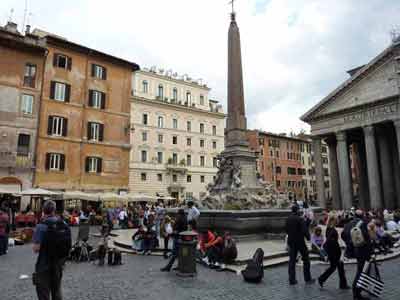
(355, 234)
(297, 231)
(52, 240)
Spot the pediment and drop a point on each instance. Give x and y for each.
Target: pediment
(379, 84)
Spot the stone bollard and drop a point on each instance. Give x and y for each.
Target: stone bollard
(187, 254)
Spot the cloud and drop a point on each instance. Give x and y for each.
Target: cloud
(294, 51)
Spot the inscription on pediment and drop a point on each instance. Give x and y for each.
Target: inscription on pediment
(372, 114)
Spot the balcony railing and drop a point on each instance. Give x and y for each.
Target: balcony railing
(10, 159)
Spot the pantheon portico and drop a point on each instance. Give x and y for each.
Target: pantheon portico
(360, 121)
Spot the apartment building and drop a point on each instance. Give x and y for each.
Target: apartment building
(287, 162)
(177, 133)
(84, 132)
(22, 59)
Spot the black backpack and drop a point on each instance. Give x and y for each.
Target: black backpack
(57, 241)
(254, 271)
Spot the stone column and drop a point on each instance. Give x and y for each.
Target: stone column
(334, 174)
(373, 168)
(396, 165)
(386, 163)
(346, 190)
(319, 171)
(360, 164)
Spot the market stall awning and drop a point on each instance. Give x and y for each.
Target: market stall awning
(78, 195)
(112, 197)
(8, 191)
(38, 192)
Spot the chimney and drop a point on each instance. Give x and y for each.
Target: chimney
(28, 29)
(11, 27)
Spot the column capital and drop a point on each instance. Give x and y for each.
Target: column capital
(341, 136)
(369, 130)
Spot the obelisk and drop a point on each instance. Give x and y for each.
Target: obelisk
(236, 121)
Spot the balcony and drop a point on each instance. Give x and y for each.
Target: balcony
(24, 161)
(173, 166)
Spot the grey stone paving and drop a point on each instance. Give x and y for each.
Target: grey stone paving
(140, 278)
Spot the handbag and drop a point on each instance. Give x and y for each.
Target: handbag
(370, 280)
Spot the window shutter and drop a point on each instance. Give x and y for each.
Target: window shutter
(55, 57)
(69, 63)
(67, 92)
(52, 89)
(93, 66)
(65, 127)
(49, 125)
(104, 73)
(89, 132)
(91, 98)
(87, 165)
(62, 162)
(103, 100)
(47, 164)
(99, 165)
(101, 132)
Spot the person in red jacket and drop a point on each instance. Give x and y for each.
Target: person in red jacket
(211, 246)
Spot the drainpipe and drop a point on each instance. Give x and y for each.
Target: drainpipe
(38, 120)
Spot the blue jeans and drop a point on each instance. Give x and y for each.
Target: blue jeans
(138, 245)
(3, 244)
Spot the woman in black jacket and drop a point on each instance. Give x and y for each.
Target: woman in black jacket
(332, 247)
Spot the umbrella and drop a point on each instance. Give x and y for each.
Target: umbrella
(141, 198)
(3, 191)
(37, 192)
(71, 195)
(112, 196)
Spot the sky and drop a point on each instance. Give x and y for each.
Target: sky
(294, 52)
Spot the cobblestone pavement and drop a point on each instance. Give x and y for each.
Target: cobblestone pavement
(139, 278)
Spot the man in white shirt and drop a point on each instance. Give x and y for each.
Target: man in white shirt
(123, 219)
(193, 215)
(392, 225)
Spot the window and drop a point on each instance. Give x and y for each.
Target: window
(201, 143)
(277, 154)
(144, 156)
(201, 100)
(55, 161)
(145, 119)
(145, 86)
(202, 161)
(175, 94)
(97, 99)
(95, 131)
(27, 104)
(160, 122)
(201, 128)
(99, 72)
(174, 178)
(278, 170)
(144, 136)
(174, 158)
(57, 126)
(214, 130)
(93, 165)
(30, 75)
(214, 145)
(278, 183)
(202, 179)
(160, 138)
(23, 144)
(189, 126)
(175, 123)
(188, 160)
(189, 178)
(188, 98)
(159, 177)
(215, 162)
(159, 157)
(188, 142)
(62, 61)
(291, 171)
(175, 140)
(324, 149)
(60, 91)
(160, 93)
(143, 176)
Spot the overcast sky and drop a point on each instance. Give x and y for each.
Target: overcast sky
(294, 51)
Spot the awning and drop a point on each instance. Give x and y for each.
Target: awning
(9, 189)
(37, 192)
(112, 197)
(142, 198)
(78, 195)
